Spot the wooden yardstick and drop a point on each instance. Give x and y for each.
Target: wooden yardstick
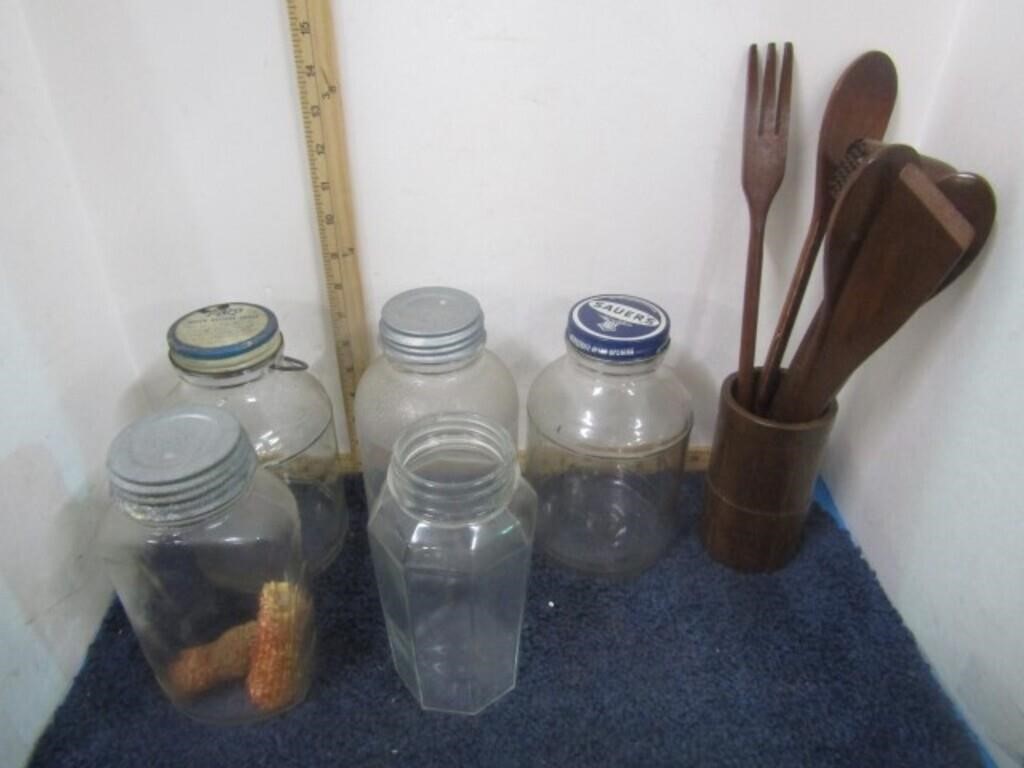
(316, 69)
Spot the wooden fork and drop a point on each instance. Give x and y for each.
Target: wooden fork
(765, 133)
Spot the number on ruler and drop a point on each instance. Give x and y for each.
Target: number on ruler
(315, 94)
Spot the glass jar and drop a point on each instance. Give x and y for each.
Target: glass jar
(204, 550)
(231, 356)
(608, 431)
(451, 537)
(434, 360)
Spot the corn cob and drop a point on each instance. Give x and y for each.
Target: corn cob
(202, 667)
(276, 671)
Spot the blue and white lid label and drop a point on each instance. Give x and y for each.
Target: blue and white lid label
(618, 327)
(223, 325)
(223, 338)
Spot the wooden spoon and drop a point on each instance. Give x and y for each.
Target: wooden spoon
(859, 108)
(913, 242)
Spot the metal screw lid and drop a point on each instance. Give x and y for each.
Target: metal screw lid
(224, 338)
(179, 464)
(433, 325)
(617, 328)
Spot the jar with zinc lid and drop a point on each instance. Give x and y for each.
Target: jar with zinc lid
(609, 426)
(434, 359)
(231, 356)
(203, 547)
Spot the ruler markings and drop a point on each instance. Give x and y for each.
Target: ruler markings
(314, 56)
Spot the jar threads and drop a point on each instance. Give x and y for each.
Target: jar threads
(451, 539)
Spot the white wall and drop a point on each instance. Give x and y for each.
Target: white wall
(530, 152)
(63, 385)
(183, 124)
(535, 152)
(924, 464)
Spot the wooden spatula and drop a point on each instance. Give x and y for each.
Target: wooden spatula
(910, 246)
(974, 198)
(858, 204)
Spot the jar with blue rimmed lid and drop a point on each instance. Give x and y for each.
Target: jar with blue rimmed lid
(232, 356)
(204, 549)
(609, 425)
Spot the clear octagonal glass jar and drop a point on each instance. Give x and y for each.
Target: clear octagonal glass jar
(231, 356)
(451, 537)
(203, 547)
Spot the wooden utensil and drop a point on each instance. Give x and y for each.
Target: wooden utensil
(913, 242)
(859, 107)
(765, 133)
(970, 193)
(858, 203)
(976, 201)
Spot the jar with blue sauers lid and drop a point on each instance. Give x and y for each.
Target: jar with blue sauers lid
(609, 426)
(434, 359)
(232, 356)
(203, 547)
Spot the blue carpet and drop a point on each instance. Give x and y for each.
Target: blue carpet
(689, 664)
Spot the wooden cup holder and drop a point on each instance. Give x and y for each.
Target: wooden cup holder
(759, 484)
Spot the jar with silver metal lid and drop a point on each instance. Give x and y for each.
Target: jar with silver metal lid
(203, 547)
(231, 356)
(434, 359)
(609, 425)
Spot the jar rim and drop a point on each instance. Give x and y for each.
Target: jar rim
(429, 442)
(615, 367)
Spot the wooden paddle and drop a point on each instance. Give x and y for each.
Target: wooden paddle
(910, 245)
